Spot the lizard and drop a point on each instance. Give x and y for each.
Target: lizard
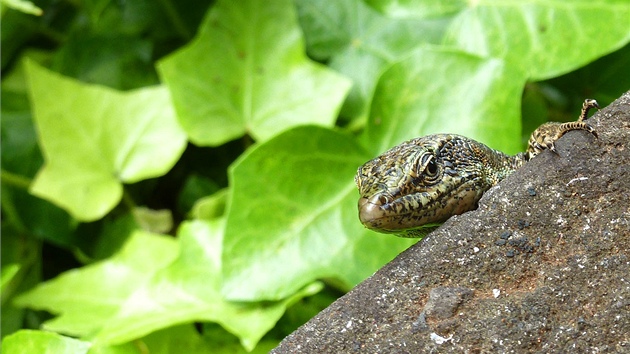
(412, 188)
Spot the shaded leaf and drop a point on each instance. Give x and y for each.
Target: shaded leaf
(93, 138)
(21, 158)
(185, 339)
(210, 207)
(360, 42)
(117, 61)
(246, 73)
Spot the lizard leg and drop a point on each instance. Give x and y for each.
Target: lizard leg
(545, 136)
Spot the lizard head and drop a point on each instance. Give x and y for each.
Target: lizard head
(413, 187)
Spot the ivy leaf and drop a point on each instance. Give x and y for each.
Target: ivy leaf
(94, 138)
(302, 223)
(188, 291)
(361, 43)
(154, 282)
(246, 73)
(546, 38)
(85, 299)
(461, 93)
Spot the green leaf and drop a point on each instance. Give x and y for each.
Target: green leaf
(149, 286)
(186, 339)
(360, 42)
(93, 138)
(29, 341)
(246, 73)
(9, 271)
(292, 217)
(114, 59)
(188, 291)
(443, 91)
(604, 79)
(546, 38)
(87, 298)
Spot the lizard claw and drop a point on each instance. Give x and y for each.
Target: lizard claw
(546, 135)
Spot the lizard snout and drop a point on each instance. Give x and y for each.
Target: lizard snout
(370, 210)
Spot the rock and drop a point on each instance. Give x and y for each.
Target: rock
(543, 265)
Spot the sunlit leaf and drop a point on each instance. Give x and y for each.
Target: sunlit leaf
(443, 91)
(188, 291)
(94, 138)
(154, 282)
(246, 73)
(87, 298)
(297, 221)
(546, 38)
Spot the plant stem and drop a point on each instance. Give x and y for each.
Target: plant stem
(15, 180)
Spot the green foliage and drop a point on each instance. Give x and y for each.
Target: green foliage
(123, 137)
(361, 43)
(162, 169)
(255, 71)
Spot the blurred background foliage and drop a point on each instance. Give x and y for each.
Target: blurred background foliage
(177, 175)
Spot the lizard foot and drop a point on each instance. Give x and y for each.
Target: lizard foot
(545, 136)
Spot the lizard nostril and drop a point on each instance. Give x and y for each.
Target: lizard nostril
(383, 199)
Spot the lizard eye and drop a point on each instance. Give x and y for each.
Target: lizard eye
(426, 171)
(431, 169)
(428, 166)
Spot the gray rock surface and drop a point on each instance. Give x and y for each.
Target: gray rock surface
(543, 265)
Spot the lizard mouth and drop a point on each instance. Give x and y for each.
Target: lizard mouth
(382, 214)
(385, 214)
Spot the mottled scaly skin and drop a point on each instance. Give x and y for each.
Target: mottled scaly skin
(413, 187)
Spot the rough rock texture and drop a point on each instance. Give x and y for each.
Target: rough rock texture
(543, 265)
